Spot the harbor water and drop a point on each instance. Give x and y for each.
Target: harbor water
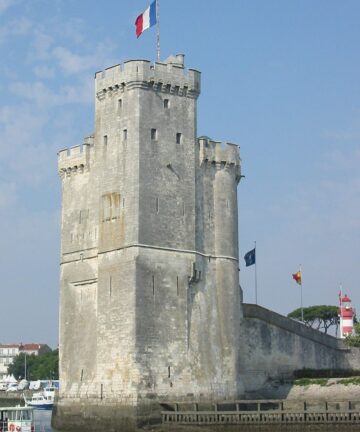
(43, 421)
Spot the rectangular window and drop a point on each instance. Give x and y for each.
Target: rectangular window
(153, 134)
(125, 134)
(166, 103)
(105, 140)
(178, 138)
(119, 104)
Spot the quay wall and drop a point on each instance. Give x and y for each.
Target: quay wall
(274, 346)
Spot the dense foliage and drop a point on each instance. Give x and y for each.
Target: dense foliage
(355, 339)
(318, 317)
(42, 367)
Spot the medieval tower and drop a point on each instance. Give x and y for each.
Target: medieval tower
(150, 304)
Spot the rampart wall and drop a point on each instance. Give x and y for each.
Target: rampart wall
(273, 346)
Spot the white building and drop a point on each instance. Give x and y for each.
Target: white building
(9, 351)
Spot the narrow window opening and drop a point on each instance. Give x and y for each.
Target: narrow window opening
(166, 103)
(82, 374)
(178, 138)
(119, 104)
(177, 285)
(105, 140)
(153, 285)
(125, 134)
(169, 372)
(123, 203)
(168, 88)
(157, 205)
(153, 134)
(80, 217)
(183, 209)
(101, 391)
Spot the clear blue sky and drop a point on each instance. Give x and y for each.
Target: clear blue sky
(279, 77)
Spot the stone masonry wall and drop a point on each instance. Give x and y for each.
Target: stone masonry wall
(273, 346)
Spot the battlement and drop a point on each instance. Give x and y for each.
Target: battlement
(75, 159)
(218, 152)
(168, 77)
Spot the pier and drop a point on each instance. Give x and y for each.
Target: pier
(262, 412)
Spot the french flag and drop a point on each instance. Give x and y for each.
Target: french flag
(146, 20)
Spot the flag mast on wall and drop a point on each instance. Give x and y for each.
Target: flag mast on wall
(250, 259)
(147, 19)
(298, 279)
(158, 30)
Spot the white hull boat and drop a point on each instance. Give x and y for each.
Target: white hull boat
(42, 400)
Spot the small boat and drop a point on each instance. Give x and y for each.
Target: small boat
(17, 419)
(43, 399)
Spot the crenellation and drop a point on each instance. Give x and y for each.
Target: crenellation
(223, 154)
(74, 160)
(143, 74)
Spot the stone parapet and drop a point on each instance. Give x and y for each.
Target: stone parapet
(170, 77)
(75, 159)
(215, 152)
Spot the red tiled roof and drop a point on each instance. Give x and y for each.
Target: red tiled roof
(31, 347)
(24, 347)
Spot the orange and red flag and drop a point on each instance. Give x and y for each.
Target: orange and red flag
(297, 277)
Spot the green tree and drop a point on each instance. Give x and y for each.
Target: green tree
(318, 317)
(44, 366)
(354, 340)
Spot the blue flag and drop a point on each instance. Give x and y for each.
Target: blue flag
(250, 258)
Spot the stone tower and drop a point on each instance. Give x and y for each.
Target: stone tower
(149, 299)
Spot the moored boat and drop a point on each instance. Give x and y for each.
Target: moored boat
(42, 400)
(16, 419)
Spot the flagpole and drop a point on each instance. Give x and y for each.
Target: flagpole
(301, 295)
(256, 301)
(340, 311)
(158, 30)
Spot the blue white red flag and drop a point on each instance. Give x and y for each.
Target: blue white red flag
(146, 20)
